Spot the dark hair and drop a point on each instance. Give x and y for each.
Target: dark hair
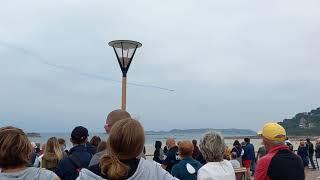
(126, 141)
(15, 147)
(247, 140)
(79, 135)
(165, 149)
(234, 155)
(194, 142)
(158, 144)
(102, 146)
(236, 143)
(95, 140)
(308, 139)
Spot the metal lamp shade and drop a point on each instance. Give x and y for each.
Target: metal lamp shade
(124, 50)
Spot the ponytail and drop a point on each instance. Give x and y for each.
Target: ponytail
(111, 166)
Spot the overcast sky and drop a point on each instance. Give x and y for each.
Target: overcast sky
(233, 64)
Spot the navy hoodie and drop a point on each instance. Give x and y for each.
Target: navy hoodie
(67, 169)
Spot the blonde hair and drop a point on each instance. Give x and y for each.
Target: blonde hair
(126, 141)
(212, 146)
(15, 147)
(53, 147)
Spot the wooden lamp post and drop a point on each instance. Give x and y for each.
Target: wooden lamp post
(124, 50)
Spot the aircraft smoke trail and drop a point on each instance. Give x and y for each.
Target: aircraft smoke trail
(73, 70)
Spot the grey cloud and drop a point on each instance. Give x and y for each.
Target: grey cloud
(232, 64)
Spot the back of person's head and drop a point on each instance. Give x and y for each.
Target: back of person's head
(126, 141)
(273, 134)
(247, 140)
(243, 143)
(194, 142)
(158, 144)
(53, 147)
(233, 155)
(170, 142)
(62, 143)
(102, 146)
(95, 140)
(79, 135)
(308, 140)
(15, 148)
(212, 146)
(236, 143)
(185, 148)
(115, 116)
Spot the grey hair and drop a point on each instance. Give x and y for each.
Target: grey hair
(212, 146)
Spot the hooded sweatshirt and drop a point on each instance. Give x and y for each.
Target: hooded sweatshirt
(146, 170)
(29, 173)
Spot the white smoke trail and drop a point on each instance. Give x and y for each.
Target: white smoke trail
(71, 69)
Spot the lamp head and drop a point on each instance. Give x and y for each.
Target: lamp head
(124, 50)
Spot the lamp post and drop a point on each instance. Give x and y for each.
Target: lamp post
(124, 50)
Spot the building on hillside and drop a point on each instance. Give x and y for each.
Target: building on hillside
(305, 124)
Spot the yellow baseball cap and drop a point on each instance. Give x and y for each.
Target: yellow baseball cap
(273, 132)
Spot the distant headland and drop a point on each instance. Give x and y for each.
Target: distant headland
(33, 134)
(303, 124)
(225, 132)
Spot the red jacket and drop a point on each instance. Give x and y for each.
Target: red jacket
(280, 163)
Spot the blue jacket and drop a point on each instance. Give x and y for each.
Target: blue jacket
(180, 170)
(68, 168)
(91, 148)
(249, 153)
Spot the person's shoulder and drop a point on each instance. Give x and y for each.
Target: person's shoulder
(267, 157)
(65, 160)
(251, 146)
(87, 174)
(95, 169)
(204, 167)
(228, 163)
(42, 173)
(149, 168)
(175, 169)
(180, 164)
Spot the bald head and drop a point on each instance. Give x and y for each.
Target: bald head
(115, 116)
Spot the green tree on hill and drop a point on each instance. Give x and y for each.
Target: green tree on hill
(307, 123)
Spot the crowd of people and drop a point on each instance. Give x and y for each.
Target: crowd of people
(122, 155)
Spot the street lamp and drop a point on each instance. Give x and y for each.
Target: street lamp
(124, 50)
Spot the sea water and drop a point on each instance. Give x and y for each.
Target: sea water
(151, 138)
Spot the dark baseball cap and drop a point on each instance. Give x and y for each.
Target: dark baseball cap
(79, 133)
